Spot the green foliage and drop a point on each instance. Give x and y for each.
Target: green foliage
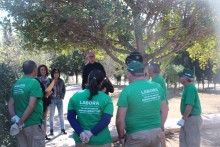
(171, 74)
(69, 64)
(7, 79)
(157, 29)
(206, 50)
(118, 72)
(164, 63)
(13, 54)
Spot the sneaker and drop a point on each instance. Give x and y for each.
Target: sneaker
(63, 131)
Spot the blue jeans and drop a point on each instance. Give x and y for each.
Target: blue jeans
(59, 104)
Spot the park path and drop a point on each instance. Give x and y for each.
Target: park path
(210, 103)
(59, 140)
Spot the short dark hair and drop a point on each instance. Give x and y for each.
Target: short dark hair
(39, 73)
(28, 66)
(154, 67)
(53, 71)
(134, 56)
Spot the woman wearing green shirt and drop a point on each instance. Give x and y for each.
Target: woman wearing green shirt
(90, 112)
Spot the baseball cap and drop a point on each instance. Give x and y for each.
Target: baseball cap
(186, 73)
(136, 68)
(134, 56)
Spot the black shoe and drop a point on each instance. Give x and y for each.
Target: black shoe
(51, 132)
(63, 131)
(47, 138)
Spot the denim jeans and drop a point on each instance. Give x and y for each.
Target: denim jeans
(59, 104)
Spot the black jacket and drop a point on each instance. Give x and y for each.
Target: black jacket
(87, 69)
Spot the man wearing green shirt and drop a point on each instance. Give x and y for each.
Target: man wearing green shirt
(26, 108)
(154, 73)
(191, 112)
(142, 109)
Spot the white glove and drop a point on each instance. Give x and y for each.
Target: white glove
(88, 133)
(84, 138)
(14, 129)
(15, 119)
(181, 122)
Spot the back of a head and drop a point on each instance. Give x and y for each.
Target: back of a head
(28, 67)
(94, 80)
(136, 68)
(134, 56)
(154, 67)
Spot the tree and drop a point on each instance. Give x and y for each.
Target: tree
(171, 75)
(206, 50)
(12, 53)
(157, 29)
(69, 64)
(118, 73)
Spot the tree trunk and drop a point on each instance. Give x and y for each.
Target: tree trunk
(67, 79)
(76, 73)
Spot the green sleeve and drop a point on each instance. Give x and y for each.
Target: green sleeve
(36, 90)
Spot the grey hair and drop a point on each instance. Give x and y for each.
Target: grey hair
(154, 67)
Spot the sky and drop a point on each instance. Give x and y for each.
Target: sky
(2, 14)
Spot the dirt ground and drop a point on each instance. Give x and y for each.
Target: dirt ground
(210, 102)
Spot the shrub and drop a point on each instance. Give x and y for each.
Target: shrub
(7, 79)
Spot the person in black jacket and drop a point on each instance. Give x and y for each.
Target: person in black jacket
(107, 85)
(89, 67)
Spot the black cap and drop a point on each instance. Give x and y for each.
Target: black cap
(134, 56)
(186, 73)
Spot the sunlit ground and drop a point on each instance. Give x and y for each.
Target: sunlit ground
(210, 100)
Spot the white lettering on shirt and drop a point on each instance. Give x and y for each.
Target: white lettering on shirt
(150, 95)
(18, 89)
(89, 107)
(89, 103)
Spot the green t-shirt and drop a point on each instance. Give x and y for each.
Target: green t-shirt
(190, 97)
(160, 80)
(142, 99)
(23, 89)
(89, 113)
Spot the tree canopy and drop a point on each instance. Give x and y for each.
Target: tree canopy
(157, 29)
(69, 64)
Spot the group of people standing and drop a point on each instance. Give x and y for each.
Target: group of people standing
(53, 94)
(31, 97)
(141, 113)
